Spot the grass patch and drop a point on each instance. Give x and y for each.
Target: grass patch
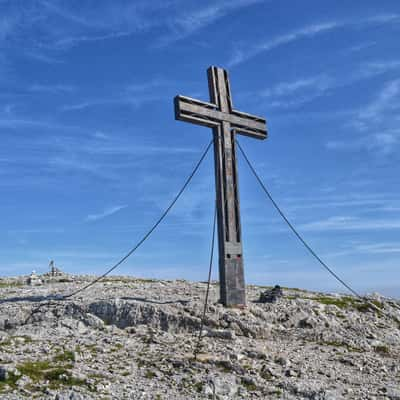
(7, 342)
(92, 348)
(346, 302)
(12, 339)
(266, 375)
(4, 285)
(295, 289)
(341, 345)
(117, 347)
(46, 371)
(225, 366)
(34, 369)
(66, 356)
(97, 376)
(251, 387)
(140, 363)
(129, 280)
(382, 349)
(150, 374)
(198, 386)
(9, 382)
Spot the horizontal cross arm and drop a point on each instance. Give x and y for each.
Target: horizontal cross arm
(195, 111)
(250, 125)
(204, 113)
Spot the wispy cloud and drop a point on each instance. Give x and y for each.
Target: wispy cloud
(36, 230)
(288, 88)
(373, 68)
(363, 203)
(378, 248)
(186, 23)
(366, 248)
(106, 213)
(111, 20)
(346, 223)
(74, 163)
(72, 41)
(241, 55)
(383, 142)
(133, 95)
(64, 25)
(52, 26)
(40, 56)
(7, 26)
(386, 101)
(297, 92)
(246, 52)
(359, 47)
(294, 93)
(52, 89)
(376, 122)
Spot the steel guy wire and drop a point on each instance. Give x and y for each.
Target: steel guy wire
(150, 231)
(294, 230)
(138, 244)
(197, 348)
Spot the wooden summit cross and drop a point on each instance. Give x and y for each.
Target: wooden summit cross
(225, 122)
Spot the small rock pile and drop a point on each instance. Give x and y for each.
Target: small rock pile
(271, 295)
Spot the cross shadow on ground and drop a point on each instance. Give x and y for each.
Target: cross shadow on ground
(31, 299)
(144, 300)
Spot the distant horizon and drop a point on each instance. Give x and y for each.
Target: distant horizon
(386, 292)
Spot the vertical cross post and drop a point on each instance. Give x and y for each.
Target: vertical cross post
(225, 122)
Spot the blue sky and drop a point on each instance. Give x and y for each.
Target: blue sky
(91, 154)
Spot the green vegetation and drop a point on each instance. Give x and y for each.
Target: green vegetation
(34, 369)
(224, 365)
(7, 342)
(198, 386)
(382, 349)
(66, 356)
(293, 289)
(346, 302)
(129, 280)
(96, 376)
(251, 387)
(118, 346)
(12, 339)
(10, 284)
(92, 348)
(265, 374)
(342, 345)
(56, 372)
(150, 374)
(10, 382)
(45, 371)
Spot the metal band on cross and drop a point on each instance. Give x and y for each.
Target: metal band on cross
(225, 122)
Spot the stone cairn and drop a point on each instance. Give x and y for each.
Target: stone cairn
(271, 295)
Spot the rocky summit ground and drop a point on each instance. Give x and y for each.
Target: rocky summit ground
(128, 338)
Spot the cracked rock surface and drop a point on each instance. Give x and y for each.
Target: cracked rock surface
(129, 338)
